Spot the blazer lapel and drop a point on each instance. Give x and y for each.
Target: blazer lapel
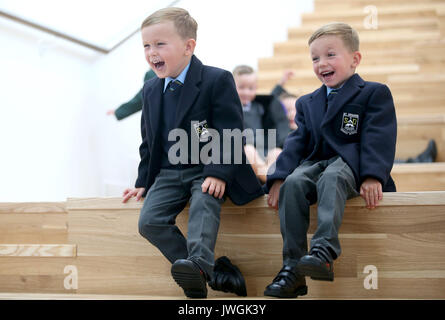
(155, 105)
(348, 91)
(189, 91)
(317, 111)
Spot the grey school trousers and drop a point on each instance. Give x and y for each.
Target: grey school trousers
(166, 198)
(329, 183)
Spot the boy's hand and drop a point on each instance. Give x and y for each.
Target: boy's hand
(215, 187)
(274, 194)
(371, 191)
(133, 192)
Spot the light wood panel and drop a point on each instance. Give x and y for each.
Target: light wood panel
(113, 259)
(38, 250)
(32, 207)
(251, 238)
(419, 176)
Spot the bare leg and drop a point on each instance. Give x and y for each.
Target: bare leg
(259, 166)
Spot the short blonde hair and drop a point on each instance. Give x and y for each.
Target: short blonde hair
(242, 69)
(344, 31)
(185, 25)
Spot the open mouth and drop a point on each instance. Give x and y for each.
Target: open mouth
(327, 75)
(158, 64)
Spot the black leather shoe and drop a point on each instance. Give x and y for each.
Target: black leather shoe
(287, 284)
(318, 264)
(430, 153)
(190, 278)
(228, 278)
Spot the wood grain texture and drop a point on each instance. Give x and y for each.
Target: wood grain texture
(433, 198)
(416, 176)
(403, 240)
(32, 207)
(38, 250)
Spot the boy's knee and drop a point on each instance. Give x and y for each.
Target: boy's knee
(332, 178)
(295, 181)
(142, 227)
(147, 227)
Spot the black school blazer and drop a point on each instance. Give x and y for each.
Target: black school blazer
(360, 126)
(209, 94)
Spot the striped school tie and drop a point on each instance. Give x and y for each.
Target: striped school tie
(331, 97)
(173, 85)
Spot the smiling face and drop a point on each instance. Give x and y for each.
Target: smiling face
(166, 51)
(332, 61)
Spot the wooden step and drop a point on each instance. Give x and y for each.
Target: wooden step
(419, 176)
(324, 6)
(113, 259)
(358, 15)
(379, 34)
(33, 223)
(415, 24)
(414, 132)
(37, 250)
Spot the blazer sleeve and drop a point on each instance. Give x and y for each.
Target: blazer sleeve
(293, 151)
(144, 152)
(226, 114)
(378, 136)
(277, 91)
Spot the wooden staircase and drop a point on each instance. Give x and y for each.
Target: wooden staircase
(404, 239)
(406, 52)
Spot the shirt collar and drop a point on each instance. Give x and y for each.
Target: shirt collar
(328, 89)
(246, 108)
(181, 77)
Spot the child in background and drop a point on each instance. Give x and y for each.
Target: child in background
(260, 112)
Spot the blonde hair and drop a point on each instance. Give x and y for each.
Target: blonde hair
(242, 69)
(344, 31)
(185, 25)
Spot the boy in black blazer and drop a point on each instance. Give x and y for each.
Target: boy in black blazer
(190, 98)
(344, 146)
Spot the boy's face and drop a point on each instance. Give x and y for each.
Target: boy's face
(246, 86)
(165, 51)
(332, 61)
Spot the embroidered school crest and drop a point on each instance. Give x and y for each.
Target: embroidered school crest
(349, 125)
(201, 131)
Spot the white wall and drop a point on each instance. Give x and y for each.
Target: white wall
(55, 139)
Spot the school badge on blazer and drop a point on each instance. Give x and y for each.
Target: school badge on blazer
(201, 131)
(349, 125)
